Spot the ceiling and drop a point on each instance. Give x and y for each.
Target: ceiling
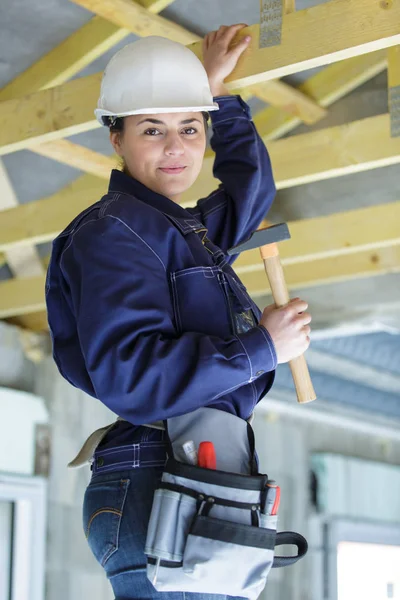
(357, 320)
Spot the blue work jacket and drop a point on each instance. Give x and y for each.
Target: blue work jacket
(145, 311)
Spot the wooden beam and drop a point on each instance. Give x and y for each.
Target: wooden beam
(68, 58)
(316, 36)
(380, 261)
(137, 19)
(42, 220)
(394, 89)
(289, 6)
(333, 236)
(310, 157)
(22, 296)
(81, 158)
(26, 296)
(289, 99)
(346, 149)
(323, 34)
(155, 6)
(75, 53)
(325, 88)
(333, 152)
(49, 114)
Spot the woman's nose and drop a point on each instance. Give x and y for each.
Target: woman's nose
(174, 146)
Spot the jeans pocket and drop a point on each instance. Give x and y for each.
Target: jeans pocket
(103, 508)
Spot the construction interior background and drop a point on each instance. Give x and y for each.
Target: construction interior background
(325, 96)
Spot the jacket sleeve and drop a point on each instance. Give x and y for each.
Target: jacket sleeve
(138, 365)
(242, 164)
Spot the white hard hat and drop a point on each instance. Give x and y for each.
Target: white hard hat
(153, 75)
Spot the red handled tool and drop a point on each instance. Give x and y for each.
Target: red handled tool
(206, 456)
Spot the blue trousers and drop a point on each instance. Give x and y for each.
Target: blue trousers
(116, 512)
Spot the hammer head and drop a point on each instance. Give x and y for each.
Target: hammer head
(263, 237)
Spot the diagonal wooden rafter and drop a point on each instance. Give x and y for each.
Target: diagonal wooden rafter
(330, 258)
(75, 53)
(75, 115)
(326, 87)
(66, 60)
(310, 157)
(80, 157)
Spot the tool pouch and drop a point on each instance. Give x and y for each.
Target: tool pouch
(208, 531)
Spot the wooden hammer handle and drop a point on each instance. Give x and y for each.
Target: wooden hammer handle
(298, 366)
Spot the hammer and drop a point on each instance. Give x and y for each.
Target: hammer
(266, 240)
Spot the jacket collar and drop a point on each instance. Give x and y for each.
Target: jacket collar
(120, 182)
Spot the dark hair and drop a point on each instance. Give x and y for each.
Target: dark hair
(116, 124)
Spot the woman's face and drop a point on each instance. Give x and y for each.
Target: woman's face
(163, 151)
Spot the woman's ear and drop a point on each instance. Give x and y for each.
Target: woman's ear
(115, 139)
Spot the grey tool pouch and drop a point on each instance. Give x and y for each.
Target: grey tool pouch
(207, 531)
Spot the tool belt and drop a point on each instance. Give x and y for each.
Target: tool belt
(211, 530)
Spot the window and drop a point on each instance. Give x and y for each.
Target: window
(22, 537)
(368, 571)
(363, 560)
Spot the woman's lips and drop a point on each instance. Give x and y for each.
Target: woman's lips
(172, 170)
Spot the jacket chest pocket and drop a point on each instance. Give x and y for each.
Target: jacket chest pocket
(206, 300)
(244, 314)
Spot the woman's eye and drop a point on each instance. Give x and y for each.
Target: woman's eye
(190, 130)
(152, 132)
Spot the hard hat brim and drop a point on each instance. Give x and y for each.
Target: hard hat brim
(100, 112)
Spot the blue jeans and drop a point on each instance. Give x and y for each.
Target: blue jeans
(116, 512)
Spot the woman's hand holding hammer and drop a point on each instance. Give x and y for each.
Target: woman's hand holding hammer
(289, 328)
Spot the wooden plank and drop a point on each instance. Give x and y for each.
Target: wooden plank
(22, 296)
(42, 220)
(289, 6)
(68, 58)
(380, 261)
(313, 37)
(81, 158)
(327, 153)
(332, 236)
(17, 298)
(333, 152)
(394, 90)
(325, 88)
(49, 114)
(155, 6)
(36, 321)
(394, 66)
(137, 19)
(289, 99)
(72, 55)
(320, 35)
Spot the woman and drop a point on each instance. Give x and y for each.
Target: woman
(145, 311)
